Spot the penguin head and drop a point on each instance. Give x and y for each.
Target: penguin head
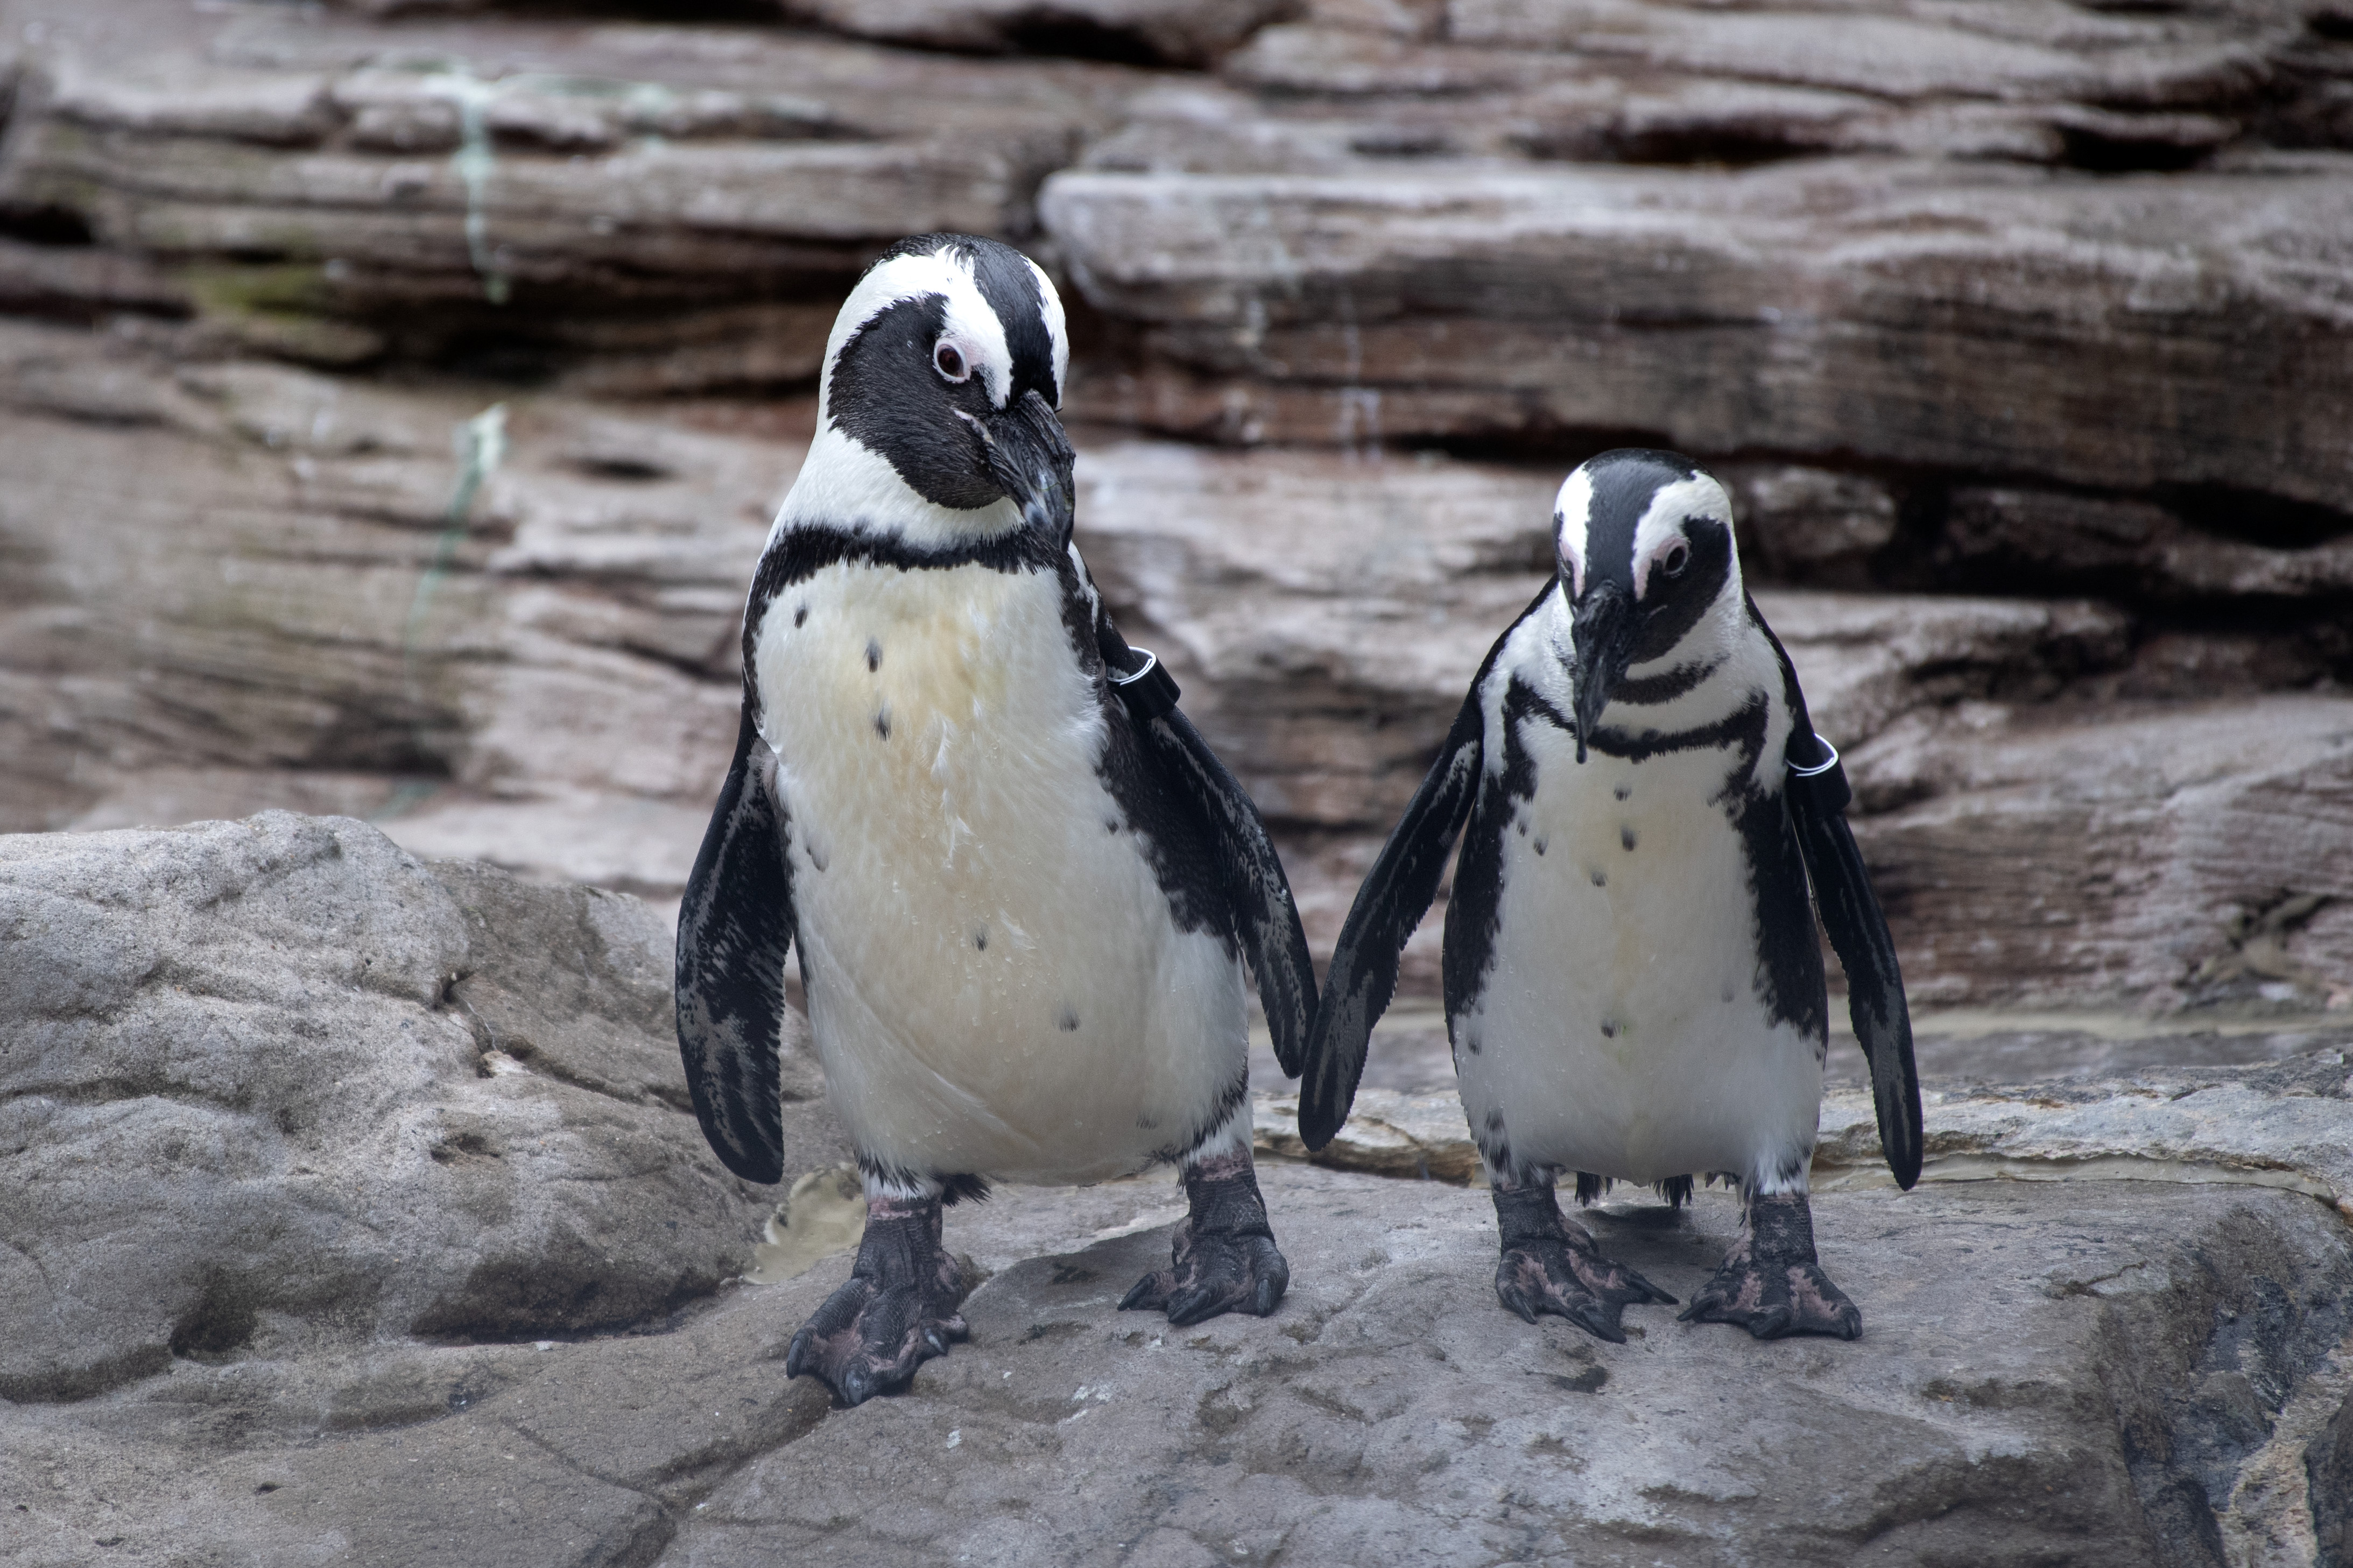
(1645, 553)
(937, 412)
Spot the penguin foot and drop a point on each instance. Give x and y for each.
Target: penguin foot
(1224, 1258)
(1552, 1266)
(1771, 1283)
(897, 1309)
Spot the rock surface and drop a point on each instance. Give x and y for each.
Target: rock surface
(2084, 1373)
(347, 1195)
(277, 1084)
(353, 1220)
(1812, 309)
(654, 208)
(1173, 32)
(2285, 1124)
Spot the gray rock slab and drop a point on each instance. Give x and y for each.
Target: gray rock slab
(2091, 1371)
(2285, 1124)
(245, 1104)
(1797, 307)
(581, 1450)
(2044, 1375)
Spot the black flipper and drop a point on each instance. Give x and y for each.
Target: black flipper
(1266, 917)
(1397, 892)
(1818, 796)
(733, 932)
(1396, 895)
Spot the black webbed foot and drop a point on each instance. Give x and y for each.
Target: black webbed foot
(896, 1311)
(1224, 1258)
(1771, 1284)
(1550, 1265)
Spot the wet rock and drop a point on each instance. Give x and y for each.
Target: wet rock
(256, 1098)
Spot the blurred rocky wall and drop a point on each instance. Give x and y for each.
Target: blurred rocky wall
(2023, 331)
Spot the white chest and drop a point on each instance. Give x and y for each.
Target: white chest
(996, 982)
(938, 713)
(1622, 1027)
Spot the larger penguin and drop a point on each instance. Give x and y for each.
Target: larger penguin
(1022, 888)
(1634, 990)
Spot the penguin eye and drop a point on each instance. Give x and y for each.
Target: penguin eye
(1677, 557)
(949, 361)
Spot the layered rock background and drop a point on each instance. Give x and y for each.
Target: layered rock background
(2023, 331)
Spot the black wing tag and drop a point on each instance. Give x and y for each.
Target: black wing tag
(1818, 794)
(733, 929)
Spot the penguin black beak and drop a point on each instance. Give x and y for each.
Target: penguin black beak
(1603, 628)
(1029, 459)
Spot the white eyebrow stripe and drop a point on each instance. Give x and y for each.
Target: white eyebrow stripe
(1571, 514)
(910, 277)
(1057, 328)
(1663, 520)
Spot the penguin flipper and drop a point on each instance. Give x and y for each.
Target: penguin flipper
(1266, 917)
(733, 929)
(1874, 985)
(1818, 795)
(1396, 895)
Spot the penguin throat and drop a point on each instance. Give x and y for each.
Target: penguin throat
(846, 485)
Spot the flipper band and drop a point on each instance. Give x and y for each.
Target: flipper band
(1148, 689)
(1821, 767)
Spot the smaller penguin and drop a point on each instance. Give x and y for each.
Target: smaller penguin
(1634, 990)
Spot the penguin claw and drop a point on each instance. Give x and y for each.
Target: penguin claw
(1223, 1257)
(1545, 1275)
(1213, 1275)
(895, 1312)
(1771, 1284)
(1775, 1303)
